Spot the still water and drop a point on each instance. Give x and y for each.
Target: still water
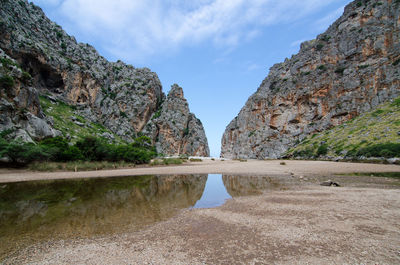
(36, 211)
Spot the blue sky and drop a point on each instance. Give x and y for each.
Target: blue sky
(219, 51)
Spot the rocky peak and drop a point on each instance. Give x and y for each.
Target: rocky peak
(113, 95)
(346, 71)
(176, 92)
(175, 130)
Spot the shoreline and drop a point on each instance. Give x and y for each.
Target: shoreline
(315, 225)
(208, 166)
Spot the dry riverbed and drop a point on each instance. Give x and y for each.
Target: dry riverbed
(207, 166)
(305, 223)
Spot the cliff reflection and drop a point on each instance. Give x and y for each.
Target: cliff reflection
(44, 210)
(249, 185)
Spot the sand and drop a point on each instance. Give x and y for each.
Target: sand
(311, 224)
(256, 167)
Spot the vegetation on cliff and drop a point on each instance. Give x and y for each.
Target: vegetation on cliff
(373, 134)
(346, 71)
(51, 85)
(89, 148)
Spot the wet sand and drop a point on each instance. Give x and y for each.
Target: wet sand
(300, 224)
(256, 167)
(317, 225)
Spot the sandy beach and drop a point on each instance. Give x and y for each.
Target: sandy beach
(356, 223)
(208, 166)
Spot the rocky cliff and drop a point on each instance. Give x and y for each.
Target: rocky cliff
(348, 70)
(175, 130)
(39, 58)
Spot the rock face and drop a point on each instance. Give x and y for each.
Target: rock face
(175, 130)
(46, 61)
(349, 69)
(20, 110)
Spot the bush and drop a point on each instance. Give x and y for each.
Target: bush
(340, 70)
(322, 150)
(24, 153)
(60, 149)
(380, 150)
(6, 82)
(90, 148)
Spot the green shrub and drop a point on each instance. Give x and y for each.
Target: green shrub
(26, 77)
(396, 102)
(6, 82)
(340, 70)
(195, 160)
(59, 35)
(319, 46)
(322, 150)
(380, 150)
(24, 153)
(7, 62)
(308, 152)
(326, 38)
(123, 114)
(156, 114)
(89, 148)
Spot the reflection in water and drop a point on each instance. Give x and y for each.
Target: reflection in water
(60, 209)
(36, 211)
(214, 193)
(249, 185)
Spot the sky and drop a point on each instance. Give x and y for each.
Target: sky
(218, 51)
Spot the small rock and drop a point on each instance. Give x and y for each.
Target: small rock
(330, 183)
(79, 123)
(393, 160)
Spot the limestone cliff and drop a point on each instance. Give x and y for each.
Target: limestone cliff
(348, 70)
(175, 130)
(46, 61)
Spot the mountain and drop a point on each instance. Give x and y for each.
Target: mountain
(346, 71)
(51, 85)
(374, 134)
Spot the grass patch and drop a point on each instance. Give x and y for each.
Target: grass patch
(376, 174)
(62, 113)
(78, 166)
(166, 161)
(195, 160)
(372, 134)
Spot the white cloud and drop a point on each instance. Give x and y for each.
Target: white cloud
(324, 22)
(47, 2)
(138, 28)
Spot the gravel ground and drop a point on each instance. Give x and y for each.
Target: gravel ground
(316, 225)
